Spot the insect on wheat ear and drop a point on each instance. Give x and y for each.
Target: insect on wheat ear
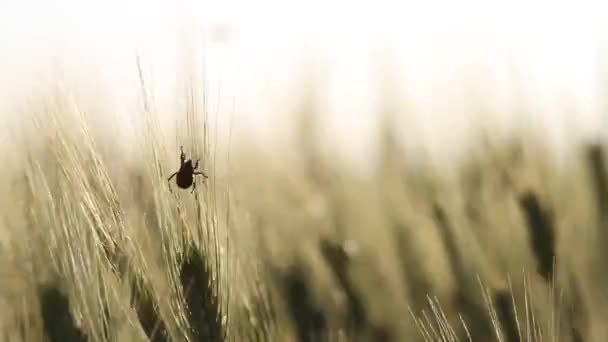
(185, 174)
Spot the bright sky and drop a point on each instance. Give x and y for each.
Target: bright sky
(443, 50)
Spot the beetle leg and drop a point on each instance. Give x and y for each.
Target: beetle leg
(200, 173)
(196, 165)
(169, 181)
(173, 175)
(193, 186)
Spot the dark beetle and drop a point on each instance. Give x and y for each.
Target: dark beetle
(186, 173)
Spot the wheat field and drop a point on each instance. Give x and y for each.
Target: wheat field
(292, 238)
(504, 244)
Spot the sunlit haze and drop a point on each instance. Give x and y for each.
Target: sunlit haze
(445, 58)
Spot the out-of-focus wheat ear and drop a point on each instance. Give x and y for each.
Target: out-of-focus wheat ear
(596, 165)
(258, 318)
(597, 172)
(576, 311)
(465, 300)
(59, 324)
(265, 313)
(147, 313)
(338, 260)
(505, 312)
(256, 321)
(418, 285)
(202, 304)
(308, 318)
(542, 233)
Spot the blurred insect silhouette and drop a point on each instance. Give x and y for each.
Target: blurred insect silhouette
(185, 174)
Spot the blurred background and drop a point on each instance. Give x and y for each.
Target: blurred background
(455, 66)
